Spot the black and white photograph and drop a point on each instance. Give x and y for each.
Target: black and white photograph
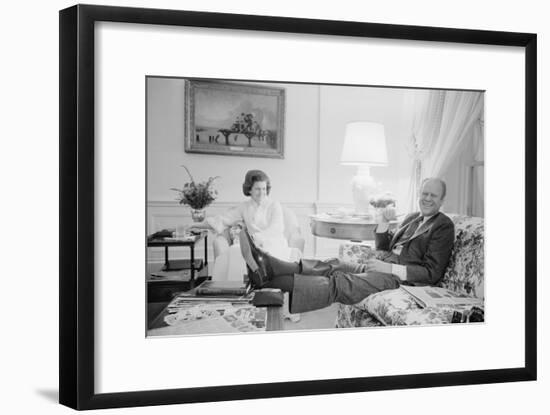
(289, 203)
(374, 217)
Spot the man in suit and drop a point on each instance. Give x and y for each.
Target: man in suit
(418, 254)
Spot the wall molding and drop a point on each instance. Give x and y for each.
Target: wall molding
(162, 214)
(317, 203)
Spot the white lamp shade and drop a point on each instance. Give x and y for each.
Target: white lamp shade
(364, 144)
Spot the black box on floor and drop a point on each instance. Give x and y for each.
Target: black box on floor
(268, 297)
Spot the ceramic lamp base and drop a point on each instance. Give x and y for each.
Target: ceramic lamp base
(363, 187)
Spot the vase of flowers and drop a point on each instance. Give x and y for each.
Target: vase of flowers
(197, 195)
(384, 207)
(198, 215)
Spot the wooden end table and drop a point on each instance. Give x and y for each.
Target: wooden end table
(162, 289)
(179, 264)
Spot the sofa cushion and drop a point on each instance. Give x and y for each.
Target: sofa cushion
(350, 316)
(398, 308)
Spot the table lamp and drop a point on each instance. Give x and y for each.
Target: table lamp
(364, 147)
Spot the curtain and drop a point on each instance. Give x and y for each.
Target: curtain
(427, 106)
(478, 180)
(460, 112)
(442, 123)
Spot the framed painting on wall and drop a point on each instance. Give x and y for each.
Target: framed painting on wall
(234, 119)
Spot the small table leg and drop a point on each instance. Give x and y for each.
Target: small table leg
(206, 250)
(192, 264)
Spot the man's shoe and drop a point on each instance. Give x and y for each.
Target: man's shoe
(256, 281)
(257, 275)
(270, 266)
(260, 257)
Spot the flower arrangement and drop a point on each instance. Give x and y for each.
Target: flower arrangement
(382, 201)
(385, 207)
(197, 195)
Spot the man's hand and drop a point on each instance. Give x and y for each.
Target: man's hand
(378, 266)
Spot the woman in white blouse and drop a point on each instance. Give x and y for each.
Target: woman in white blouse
(264, 220)
(262, 216)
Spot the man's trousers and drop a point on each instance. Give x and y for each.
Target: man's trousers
(322, 283)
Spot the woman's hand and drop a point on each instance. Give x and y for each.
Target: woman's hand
(258, 240)
(253, 228)
(196, 227)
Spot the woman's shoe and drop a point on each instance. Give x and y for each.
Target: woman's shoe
(294, 317)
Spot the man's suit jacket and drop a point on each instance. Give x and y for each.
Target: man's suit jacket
(426, 254)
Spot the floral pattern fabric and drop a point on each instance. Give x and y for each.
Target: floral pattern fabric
(349, 316)
(357, 252)
(465, 274)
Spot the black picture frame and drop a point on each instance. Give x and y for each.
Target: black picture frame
(231, 138)
(77, 175)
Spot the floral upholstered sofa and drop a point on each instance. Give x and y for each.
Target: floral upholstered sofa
(465, 274)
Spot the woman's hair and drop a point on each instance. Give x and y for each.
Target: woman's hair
(253, 176)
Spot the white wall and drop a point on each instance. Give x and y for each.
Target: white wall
(30, 175)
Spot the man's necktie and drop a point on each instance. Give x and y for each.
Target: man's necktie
(411, 229)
